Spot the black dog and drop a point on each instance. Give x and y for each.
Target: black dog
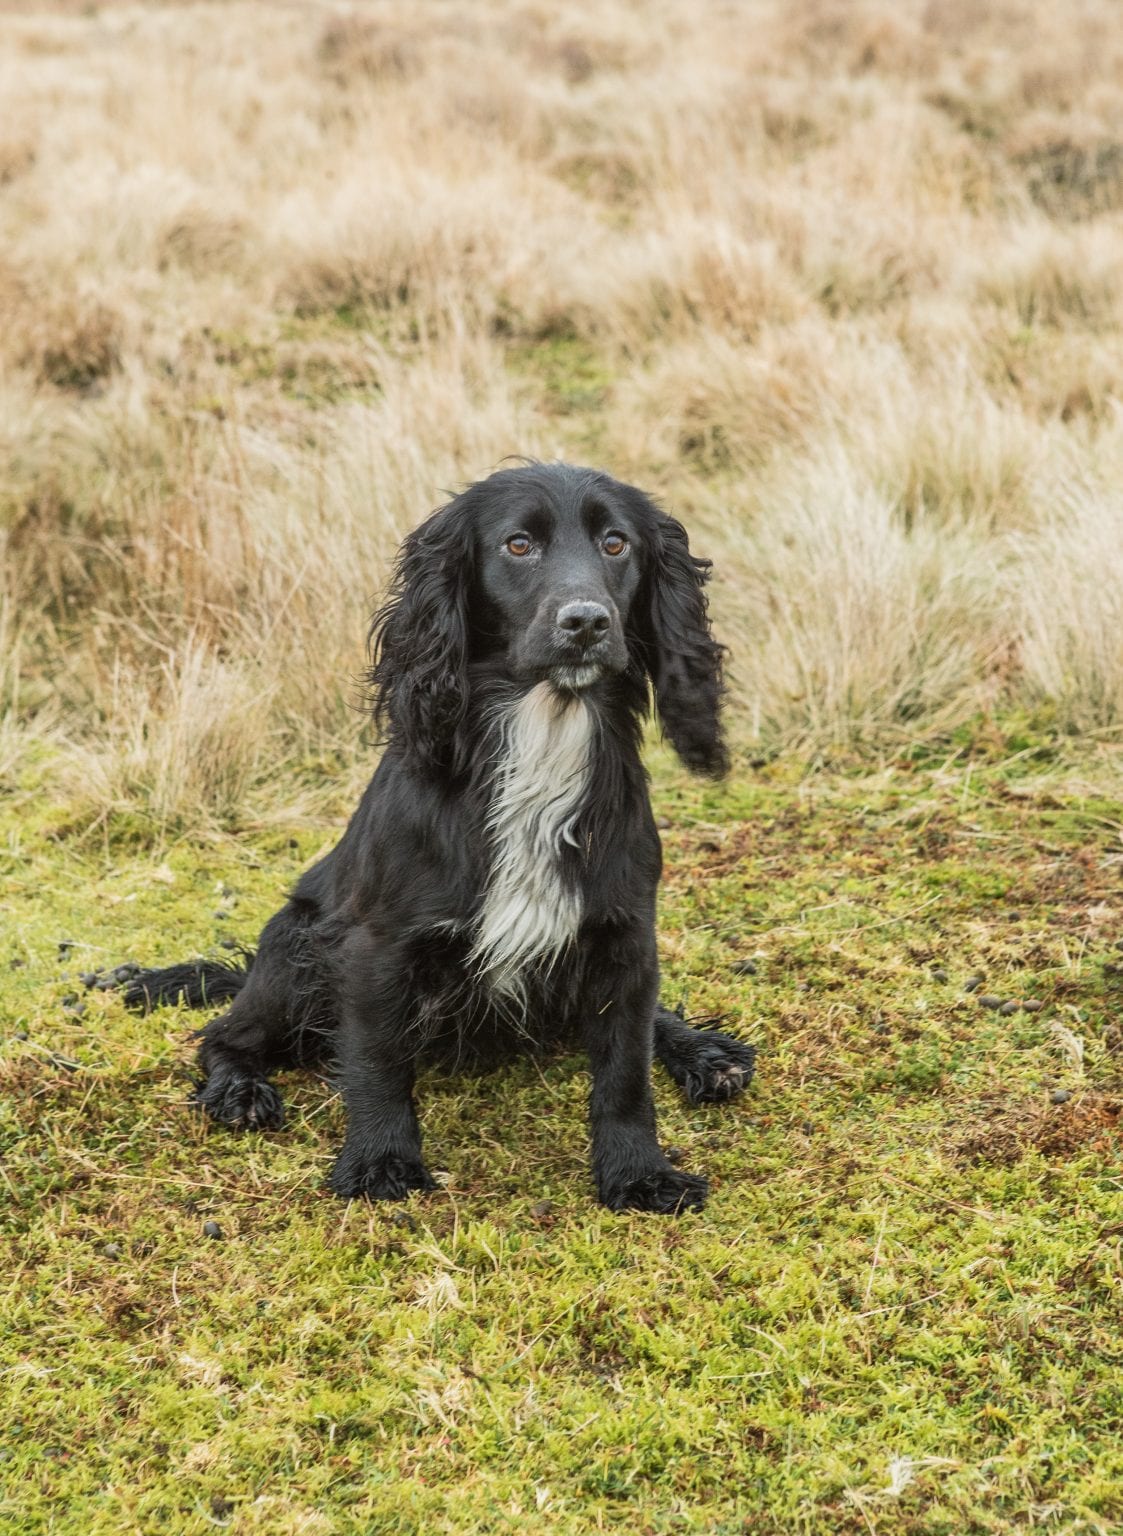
(495, 889)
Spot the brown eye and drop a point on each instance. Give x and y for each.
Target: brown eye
(614, 544)
(518, 544)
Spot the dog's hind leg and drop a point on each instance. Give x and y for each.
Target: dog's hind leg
(708, 1066)
(280, 1018)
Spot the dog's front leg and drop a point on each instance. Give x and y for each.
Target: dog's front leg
(381, 1154)
(628, 1164)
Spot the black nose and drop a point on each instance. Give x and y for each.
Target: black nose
(583, 623)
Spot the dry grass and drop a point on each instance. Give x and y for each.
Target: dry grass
(842, 282)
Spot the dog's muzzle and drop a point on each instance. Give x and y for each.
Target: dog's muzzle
(583, 631)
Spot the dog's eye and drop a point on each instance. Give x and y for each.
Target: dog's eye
(614, 544)
(518, 544)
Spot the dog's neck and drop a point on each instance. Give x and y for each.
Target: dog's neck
(530, 914)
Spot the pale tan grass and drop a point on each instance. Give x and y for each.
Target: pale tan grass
(851, 627)
(24, 729)
(719, 406)
(1056, 277)
(840, 281)
(1068, 598)
(194, 756)
(924, 426)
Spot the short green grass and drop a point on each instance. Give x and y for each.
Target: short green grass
(899, 1313)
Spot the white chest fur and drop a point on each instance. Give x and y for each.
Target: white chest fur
(528, 915)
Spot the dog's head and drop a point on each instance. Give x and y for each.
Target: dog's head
(548, 573)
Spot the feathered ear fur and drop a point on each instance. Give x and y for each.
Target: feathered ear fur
(682, 656)
(419, 638)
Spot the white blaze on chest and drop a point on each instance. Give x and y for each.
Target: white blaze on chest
(529, 916)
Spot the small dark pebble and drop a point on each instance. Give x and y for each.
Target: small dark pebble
(64, 947)
(70, 999)
(21, 1034)
(674, 1155)
(1032, 1005)
(125, 972)
(938, 973)
(541, 1209)
(743, 968)
(1011, 1005)
(106, 984)
(221, 1507)
(1014, 917)
(112, 1250)
(228, 944)
(973, 983)
(404, 1219)
(807, 1128)
(88, 978)
(221, 917)
(1060, 1096)
(294, 842)
(212, 1229)
(988, 1000)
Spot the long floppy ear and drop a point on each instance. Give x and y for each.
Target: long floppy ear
(682, 656)
(419, 638)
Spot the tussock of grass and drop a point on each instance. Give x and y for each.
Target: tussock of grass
(865, 625)
(899, 1312)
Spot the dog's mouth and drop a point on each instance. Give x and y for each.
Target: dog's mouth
(573, 668)
(575, 676)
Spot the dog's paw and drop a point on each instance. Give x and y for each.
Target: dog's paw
(665, 1191)
(241, 1100)
(383, 1176)
(719, 1069)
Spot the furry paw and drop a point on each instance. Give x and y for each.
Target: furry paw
(714, 1068)
(665, 1191)
(382, 1176)
(241, 1100)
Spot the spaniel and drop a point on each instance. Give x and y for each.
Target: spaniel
(495, 890)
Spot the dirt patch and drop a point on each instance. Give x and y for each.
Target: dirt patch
(999, 1133)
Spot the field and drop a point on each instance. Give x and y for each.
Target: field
(841, 284)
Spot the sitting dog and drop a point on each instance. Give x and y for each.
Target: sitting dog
(495, 890)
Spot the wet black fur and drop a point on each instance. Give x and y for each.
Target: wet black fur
(366, 962)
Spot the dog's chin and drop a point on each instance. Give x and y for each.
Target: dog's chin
(577, 676)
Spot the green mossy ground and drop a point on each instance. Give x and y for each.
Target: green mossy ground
(901, 1311)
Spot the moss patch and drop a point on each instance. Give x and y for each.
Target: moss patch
(900, 1311)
